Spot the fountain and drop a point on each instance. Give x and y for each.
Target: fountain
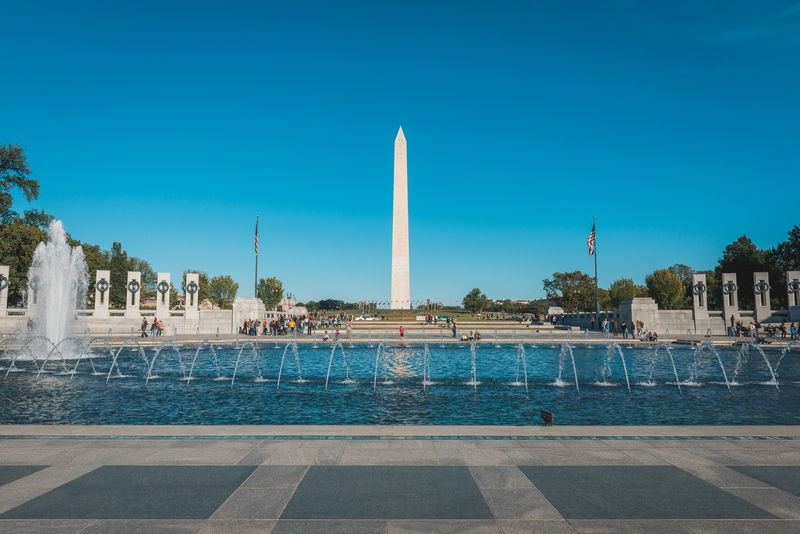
(292, 345)
(613, 349)
(665, 348)
(562, 357)
(474, 381)
(148, 384)
(59, 279)
(347, 379)
(521, 360)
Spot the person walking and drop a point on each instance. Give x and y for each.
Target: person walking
(402, 332)
(144, 327)
(793, 332)
(624, 330)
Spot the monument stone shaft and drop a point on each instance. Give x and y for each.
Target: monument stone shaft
(401, 287)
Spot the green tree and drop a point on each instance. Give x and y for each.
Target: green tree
(666, 288)
(575, 291)
(744, 258)
(622, 289)
(14, 174)
(475, 301)
(270, 291)
(330, 304)
(222, 291)
(202, 285)
(18, 241)
(787, 254)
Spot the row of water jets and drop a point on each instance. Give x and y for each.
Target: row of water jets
(249, 349)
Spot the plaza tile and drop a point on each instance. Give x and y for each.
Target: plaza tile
(786, 478)
(137, 492)
(636, 492)
(10, 473)
(387, 492)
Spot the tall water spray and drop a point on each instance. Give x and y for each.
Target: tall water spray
(58, 278)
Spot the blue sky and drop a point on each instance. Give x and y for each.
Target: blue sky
(168, 126)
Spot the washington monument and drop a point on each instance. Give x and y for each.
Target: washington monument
(401, 287)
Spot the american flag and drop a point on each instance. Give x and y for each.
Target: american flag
(255, 242)
(589, 242)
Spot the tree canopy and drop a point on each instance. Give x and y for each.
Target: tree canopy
(574, 292)
(270, 291)
(222, 291)
(666, 288)
(475, 301)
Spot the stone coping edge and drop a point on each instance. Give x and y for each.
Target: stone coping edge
(397, 431)
(411, 438)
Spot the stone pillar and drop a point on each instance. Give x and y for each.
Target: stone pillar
(133, 295)
(101, 287)
(793, 294)
(192, 288)
(162, 296)
(699, 299)
(761, 297)
(246, 308)
(730, 298)
(5, 279)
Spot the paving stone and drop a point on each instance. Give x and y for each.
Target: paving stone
(549, 526)
(618, 526)
(329, 527)
(10, 473)
(502, 477)
(485, 457)
(328, 456)
(777, 502)
(254, 503)
(408, 457)
(744, 526)
(786, 478)
(526, 503)
(37, 526)
(296, 456)
(137, 492)
(451, 526)
(387, 492)
(139, 526)
(276, 476)
(237, 526)
(636, 492)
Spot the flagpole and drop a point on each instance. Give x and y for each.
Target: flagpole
(596, 290)
(256, 284)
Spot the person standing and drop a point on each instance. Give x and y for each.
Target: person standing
(591, 322)
(144, 327)
(402, 332)
(614, 326)
(624, 330)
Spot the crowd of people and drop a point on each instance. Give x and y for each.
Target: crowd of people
(294, 325)
(156, 327)
(751, 330)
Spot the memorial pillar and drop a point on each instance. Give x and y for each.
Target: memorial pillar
(730, 298)
(134, 295)
(162, 296)
(793, 294)
(699, 300)
(5, 280)
(101, 287)
(761, 289)
(192, 289)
